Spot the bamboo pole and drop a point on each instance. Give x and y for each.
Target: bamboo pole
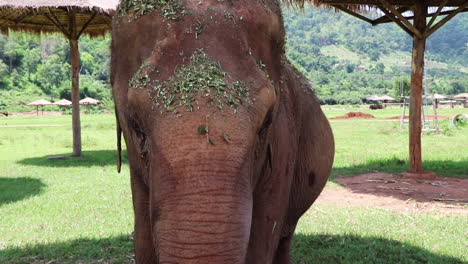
(417, 70)
(75, 79)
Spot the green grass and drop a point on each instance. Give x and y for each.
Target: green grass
(367, 145)
(328, 234)
(78, 210)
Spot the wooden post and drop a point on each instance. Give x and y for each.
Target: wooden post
(436, 119)
(417, 70)
(75, 80)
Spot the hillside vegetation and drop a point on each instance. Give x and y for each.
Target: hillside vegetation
(345, 59)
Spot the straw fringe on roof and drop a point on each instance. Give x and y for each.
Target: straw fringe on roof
(40, 102)
(437, 96)
(366, 3)
(89, 101)
(369, 5)
(103, 5)
(35, 16)
(63, 102)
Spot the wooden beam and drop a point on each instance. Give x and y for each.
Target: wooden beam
(437, 13)
(398, 22)
(439, 24)
(408, 3)
(64, 31)
(354, 14)
(56, 22)
(429, 15)
(386, 19)
(87, 23)
(23, 16)
(402, 18)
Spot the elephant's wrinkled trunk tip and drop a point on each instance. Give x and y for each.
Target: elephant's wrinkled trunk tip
(207, 226)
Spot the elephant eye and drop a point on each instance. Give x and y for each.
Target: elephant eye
(142, 138)
(266, 123)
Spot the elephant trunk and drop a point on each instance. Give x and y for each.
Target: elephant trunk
(203, 214)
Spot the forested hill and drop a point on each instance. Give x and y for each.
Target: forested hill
(345, 59)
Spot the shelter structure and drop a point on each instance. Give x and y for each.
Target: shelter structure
(386, 98)
(63, 104)
(402, 12)
(373, 98)
(41, 103)
(380, 98)
(462, 97)
(435, 99)
(72, 18)
(438, 96)
(89, 101)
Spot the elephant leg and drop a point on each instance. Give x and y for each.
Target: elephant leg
(145, 252)
(271, 199)
(282, 253)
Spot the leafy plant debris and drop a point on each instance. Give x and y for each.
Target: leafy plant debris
(200, 77)
(169, 9)
(202, 130)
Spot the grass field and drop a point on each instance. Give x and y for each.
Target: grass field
(79, 210)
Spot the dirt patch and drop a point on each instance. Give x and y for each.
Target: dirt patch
(34, 113)
(354, 115)
(427, 117)
(383, 190)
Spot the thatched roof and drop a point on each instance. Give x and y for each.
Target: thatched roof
(387, 98)
(46, 16)
(462, 95)
(354, 7)
(373, 98)
(366, 3)
(39, 102)
(89, 101)
(380, 98)
(63, 102)
(437, 96)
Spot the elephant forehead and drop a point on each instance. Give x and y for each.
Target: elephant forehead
(208, 129)
(199, 80)
(217, 58)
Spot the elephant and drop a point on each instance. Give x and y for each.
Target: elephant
(226, 141)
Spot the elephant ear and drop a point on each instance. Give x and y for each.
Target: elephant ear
(119, 142)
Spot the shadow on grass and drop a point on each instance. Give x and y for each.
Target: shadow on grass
(353, 249)
(443, 168)
(305, 249)
(106, 250)
(16, 189)
(88, 158)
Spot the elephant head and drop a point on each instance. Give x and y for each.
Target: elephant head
(226, 142)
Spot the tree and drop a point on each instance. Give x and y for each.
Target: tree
(52, 73)
(4, 76)
(402, 87)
